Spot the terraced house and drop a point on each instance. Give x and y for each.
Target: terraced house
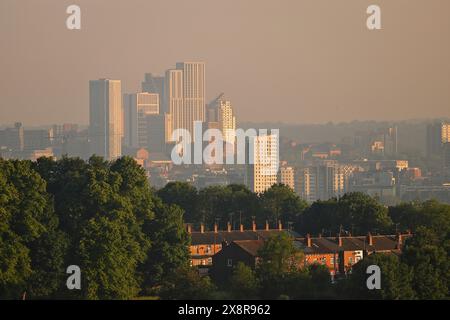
(339, 253)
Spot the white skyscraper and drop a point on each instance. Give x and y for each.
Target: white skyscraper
(173, 89)
(227, 121)
(185, 94)
(263, 162)
(105, 118)
(137, 107)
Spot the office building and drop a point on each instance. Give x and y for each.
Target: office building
(287, 177)
(137, 107)
(437, 135)
(262, 162)
(227, 121)
(105, 118)
(155, 84)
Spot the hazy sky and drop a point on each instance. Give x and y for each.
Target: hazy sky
(279, 60)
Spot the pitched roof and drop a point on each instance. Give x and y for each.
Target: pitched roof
(251, 246)
(331, 244)
(211, 237)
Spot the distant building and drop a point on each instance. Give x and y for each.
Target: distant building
(321, 181)
(13, 138)
(379, 184)
(382, 141)
(105, 118)
(137, 107)
(185, 94)
(437, 135)
(155, 84)
(174, 99)
(36, 154)
(446, 157)
(155, 130)
(287, 177)
(38, 138)
(262, 162)
(227, 121)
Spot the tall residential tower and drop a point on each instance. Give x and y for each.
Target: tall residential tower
(105, 118)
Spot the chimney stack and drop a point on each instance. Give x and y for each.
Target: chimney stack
(280, 226)
(254, 226)
(267, 225)
(399, 240)
(308, 240)
(370, 239)
(216, 228)
(202, 228)
(229, 227)
(241, 227)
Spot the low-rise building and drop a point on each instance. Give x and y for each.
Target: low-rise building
(205, 244)
(339, 254)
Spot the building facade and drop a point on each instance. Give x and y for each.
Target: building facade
(105, 118)
(137, 107)
(262, 162)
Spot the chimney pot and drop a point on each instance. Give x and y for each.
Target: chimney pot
(308, 240)
(399, 240)
(189, 228)
(241, 227)
(280, 226)
(267, 225)
(370, 239)
(254, 226)
(229, 227)
(202, 228)
(216, 228)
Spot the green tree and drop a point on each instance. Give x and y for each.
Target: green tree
(279, 258)
(320, 217)
(280, 202)
(31, 248)
(187, 284)
(363, 214)
(395, 279)
(103, 207)
(169, 245)
(183, 195)
(244, 283)
(427, 255)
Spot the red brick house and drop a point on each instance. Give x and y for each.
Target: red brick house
(205, 244)
(339, 254)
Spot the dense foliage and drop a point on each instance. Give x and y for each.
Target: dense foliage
(130, 240)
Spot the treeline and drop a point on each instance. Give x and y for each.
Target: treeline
(102, 216)
(129, 240)
(353, 213)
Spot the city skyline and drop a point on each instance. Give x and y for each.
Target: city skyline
(281, 61)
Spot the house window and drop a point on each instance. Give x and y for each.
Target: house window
(324, 260)
(229, 262)
(350, 260)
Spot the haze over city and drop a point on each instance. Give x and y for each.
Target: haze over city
(289, 61)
